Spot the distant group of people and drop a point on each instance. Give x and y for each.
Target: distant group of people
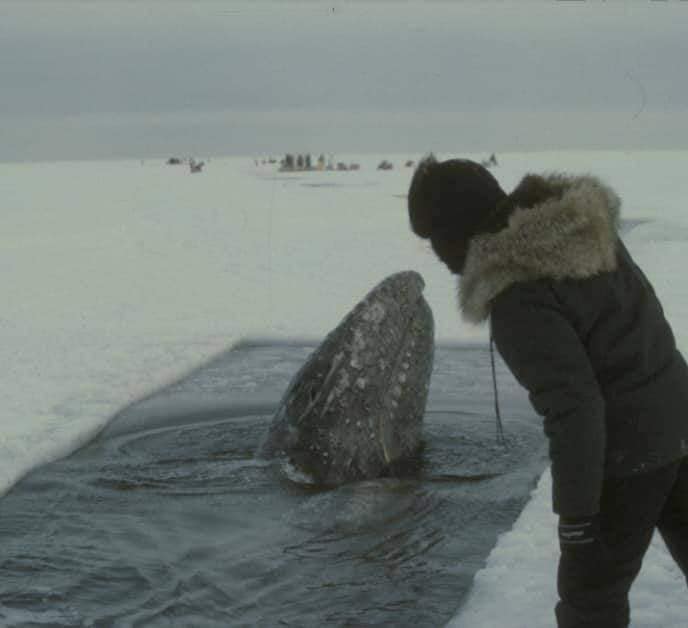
(292, 163)
(304, 162)
(300, 162)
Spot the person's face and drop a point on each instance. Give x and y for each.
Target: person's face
(451, 252)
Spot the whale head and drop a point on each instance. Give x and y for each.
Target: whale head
(355, 408)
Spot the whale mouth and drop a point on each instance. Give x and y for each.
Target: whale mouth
(415, 344)
(315, 389)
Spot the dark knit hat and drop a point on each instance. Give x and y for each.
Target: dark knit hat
(449, 202)
(451, 198)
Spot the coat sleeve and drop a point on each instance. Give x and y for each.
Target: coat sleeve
(546, 356)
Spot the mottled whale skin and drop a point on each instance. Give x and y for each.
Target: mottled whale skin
(354, 411)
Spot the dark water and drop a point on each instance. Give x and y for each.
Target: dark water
(168, 520)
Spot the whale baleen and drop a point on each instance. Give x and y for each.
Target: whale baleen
(354, 410)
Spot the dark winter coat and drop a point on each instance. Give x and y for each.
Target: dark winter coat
(581, 328)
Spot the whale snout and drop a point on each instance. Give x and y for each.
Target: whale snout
(405, 287)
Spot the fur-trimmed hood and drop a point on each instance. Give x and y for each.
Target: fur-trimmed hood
(569, 231)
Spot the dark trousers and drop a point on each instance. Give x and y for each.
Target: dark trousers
(594, 580)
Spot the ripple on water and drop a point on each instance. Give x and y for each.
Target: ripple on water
(179, 523)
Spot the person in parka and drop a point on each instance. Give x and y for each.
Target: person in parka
(580, 327)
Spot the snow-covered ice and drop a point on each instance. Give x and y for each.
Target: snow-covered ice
(119, 277)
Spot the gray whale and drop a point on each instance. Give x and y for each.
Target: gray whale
(354, 411)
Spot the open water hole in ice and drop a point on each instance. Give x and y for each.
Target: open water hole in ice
(168, 519)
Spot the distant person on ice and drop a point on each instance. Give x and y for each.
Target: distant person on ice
(581, 328)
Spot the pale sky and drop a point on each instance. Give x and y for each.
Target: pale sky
(94, 80)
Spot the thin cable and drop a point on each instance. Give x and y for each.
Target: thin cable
(498, 415)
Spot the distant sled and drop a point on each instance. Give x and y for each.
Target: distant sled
(196, 166)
